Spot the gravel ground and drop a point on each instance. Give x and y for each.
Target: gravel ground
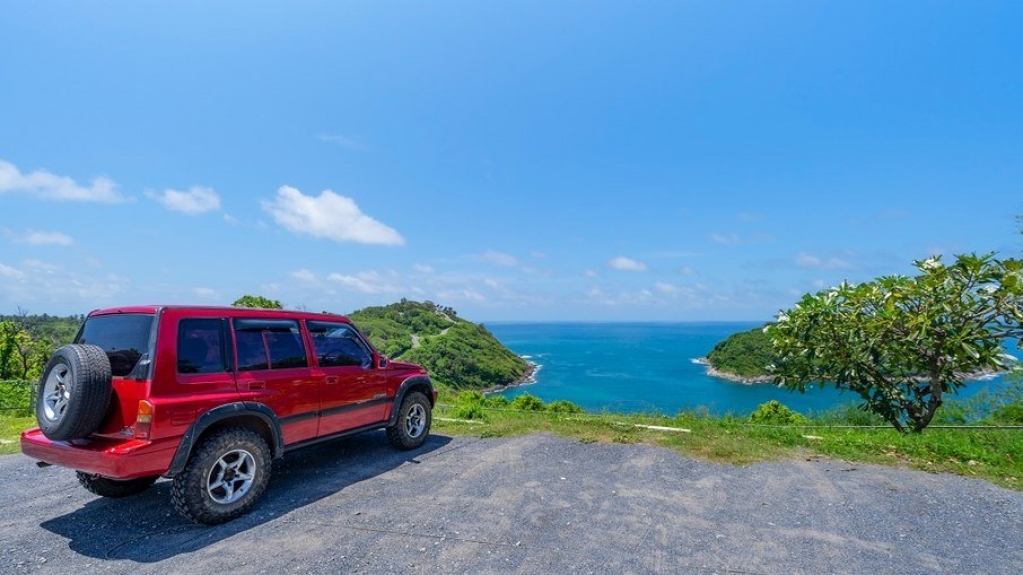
(528, 505)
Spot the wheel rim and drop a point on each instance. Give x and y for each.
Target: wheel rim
(415, 421)
(57, 393)
(231, 477)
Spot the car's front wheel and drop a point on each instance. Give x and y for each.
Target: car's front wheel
(412, 426)
(224, 477)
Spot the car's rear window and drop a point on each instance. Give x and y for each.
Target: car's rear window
(125, 338)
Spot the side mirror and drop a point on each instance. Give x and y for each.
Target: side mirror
(382, 362)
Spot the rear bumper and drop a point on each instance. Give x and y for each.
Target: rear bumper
(126, 458)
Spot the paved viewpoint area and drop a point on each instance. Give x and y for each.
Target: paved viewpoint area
(536, 504)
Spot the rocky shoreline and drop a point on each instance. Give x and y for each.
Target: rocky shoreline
(734, 378)
(528, 378)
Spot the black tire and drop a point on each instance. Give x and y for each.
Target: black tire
(224, 476)
(412, 427)
(74, 392)
(114, 488)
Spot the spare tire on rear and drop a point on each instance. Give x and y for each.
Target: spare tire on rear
(74, 392)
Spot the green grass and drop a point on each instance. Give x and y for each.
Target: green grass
(10, 429)
(995, 455)
(991, 454)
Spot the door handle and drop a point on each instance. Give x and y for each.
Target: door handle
(257, 385)
(332, 379)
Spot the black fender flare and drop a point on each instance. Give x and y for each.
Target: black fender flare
(221, 413)
(414, 381)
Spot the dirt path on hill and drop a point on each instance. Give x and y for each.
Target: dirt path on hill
(525, 505)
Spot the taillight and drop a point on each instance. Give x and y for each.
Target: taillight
(144, 420)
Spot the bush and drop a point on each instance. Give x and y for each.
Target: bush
(469, 398)
(469, 411)
(1011, 414)
(562, 406)
(527, 402)
(776, 413)
(469, 405)
(497, 401)
(849, 414)
(15, 398)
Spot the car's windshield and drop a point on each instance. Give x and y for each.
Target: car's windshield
(125, 338)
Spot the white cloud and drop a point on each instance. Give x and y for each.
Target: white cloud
(366, 282)
(499, 258)
(328, 215)
(48, 285)
(423, 268)
(231, 219)
(667, 288)
(38, 238)
(194, 200)
(206, 293)
(590, 273)
(627, 264)
(727, 239)
(47, 186)
(467, 294)
(598, 296)
(11, 273)
(304, 275)
(813, 262)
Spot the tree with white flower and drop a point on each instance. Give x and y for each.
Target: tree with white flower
(901, 343)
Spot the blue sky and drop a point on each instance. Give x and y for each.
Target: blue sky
(514, 160)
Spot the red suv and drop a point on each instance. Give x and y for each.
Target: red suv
(210, 396)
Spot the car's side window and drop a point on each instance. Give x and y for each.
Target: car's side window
(201, 346)
(269, 344)
(337, 344)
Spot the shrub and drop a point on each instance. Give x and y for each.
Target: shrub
(776, 413)
(469, 398)
(469, 411)
(496, 401)
(15, 398)
(1011, 414)
(562, 406)
(849, 414)
(527, 402)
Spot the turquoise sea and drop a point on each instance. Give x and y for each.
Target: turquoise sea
(647, 367)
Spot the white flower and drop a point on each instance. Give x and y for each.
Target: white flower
(783, 317)
(931, 263)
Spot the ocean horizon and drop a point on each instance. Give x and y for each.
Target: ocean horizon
(650, 367)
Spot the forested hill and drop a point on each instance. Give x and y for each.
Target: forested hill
(456, 352)
(743, 356)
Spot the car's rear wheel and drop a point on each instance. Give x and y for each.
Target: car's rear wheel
(412, 426)
(224, 477)
(74, 392)
(115, 488)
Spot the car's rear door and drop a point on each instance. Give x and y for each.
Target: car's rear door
(273, 369)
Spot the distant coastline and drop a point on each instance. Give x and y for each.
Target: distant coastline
(734, 378)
